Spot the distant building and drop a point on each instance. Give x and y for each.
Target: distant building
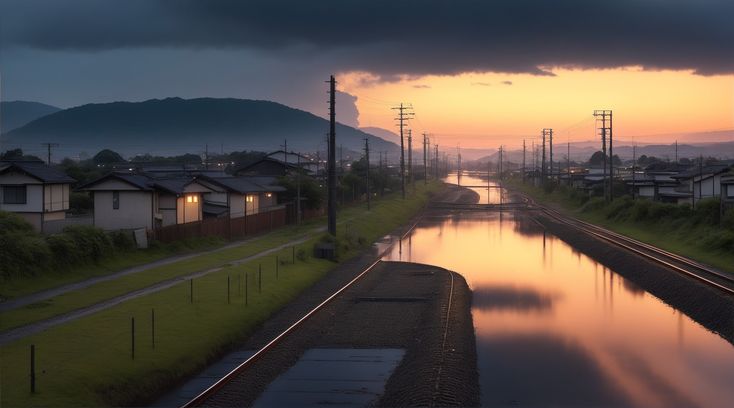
(35, 191)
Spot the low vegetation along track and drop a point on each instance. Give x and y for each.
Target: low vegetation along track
(217, 386)
(709, 276)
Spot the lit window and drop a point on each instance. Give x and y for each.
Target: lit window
(250, 199)
(192, 199)
(268, 195)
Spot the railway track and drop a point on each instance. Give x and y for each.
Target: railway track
(214, 388)
(703, 273)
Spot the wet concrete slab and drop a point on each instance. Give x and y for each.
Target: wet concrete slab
(333, 377)
(204, 380)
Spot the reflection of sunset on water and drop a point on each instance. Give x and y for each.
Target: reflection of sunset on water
(596, 330)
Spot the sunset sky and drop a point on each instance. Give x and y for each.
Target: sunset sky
(478, 73)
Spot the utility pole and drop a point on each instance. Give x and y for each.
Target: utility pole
(542, 162)
(49, 145)
(367, 156)
(568, 162)
(676, 152)
(403, 116)
(206, 156)
(634, 164)
(458, 165)
(332, 157)
(410, 157)
(285, 150)
(550, 145)
(425, 158)
(607, 114)
(436, 161)
(523, 160)
(298, 189)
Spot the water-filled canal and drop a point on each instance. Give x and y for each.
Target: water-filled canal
(554, 327)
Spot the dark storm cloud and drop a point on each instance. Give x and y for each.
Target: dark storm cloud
(392, 38)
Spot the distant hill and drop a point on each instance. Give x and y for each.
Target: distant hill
(174, 126)
(15, 114)
(385, 134)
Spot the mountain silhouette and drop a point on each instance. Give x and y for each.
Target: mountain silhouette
(175, 126)
(14, 114)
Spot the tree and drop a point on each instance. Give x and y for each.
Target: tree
(107, 156)
(17, 154)
(597, 159)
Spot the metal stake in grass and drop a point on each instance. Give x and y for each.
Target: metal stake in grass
(33, 368)
(293, 250)
(259, 278)
(228, 300)
(191, 289)
(277, 265)
(246, 279)
(152, 328)
(132, 338)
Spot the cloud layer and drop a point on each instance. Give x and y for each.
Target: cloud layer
(394, 38)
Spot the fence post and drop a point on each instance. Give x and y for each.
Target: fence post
(277, 266)
(191, 290)
(260, 278)
(293, 255)
(132, 337)
(246, 279)
(33, 368)
(152, 328)
(228, 300)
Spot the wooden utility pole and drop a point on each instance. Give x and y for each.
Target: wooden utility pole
(49, 145)
(425, 158)
(523, 160)
(607, 114)
(332, 158)
(410, 157)
(542, 162)
(403, 117)
(367, 157)
(550, 146)
(568, 162)
(634, 164)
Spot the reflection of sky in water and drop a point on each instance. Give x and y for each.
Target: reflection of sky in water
(556, 328)
(477, 182)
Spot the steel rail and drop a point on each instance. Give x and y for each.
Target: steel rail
(650, 252)
(212, 389)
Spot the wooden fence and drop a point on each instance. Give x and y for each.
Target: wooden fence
(227, 228)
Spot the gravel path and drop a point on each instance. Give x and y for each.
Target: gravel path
(397, 305)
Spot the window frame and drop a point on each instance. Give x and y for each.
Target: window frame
(15, 195)
(115, 200)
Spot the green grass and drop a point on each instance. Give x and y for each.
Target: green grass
(12, 288)
(683, 236)
(87, 362)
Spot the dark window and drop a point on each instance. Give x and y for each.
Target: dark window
(115, 200)
(14, 195)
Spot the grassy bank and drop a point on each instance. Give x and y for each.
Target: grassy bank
(87, 362)
(700, 233)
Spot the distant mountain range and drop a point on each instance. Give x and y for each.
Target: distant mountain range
(174, 126)
(15, 114)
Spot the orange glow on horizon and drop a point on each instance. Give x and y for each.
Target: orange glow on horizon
(488, 109)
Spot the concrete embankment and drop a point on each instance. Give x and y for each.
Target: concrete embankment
(421, 309)
(706, 305)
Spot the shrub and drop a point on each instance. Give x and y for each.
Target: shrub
(11, 222)
(593, 204)
(93, 242)
(23, 254)
(122, 240)
(728, 220)
(64, 249)
(708, 211)
(641, 210)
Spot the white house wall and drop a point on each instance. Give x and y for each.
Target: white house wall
(188, 211)
(236, 205)
(56, 197)
(167, 209)
(135, 210)
(34, 199)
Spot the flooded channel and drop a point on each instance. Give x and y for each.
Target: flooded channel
(556, 328)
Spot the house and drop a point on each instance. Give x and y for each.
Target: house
(35, 191)
(704, 181)
(727, 188)
(133, 201)
(239, 196)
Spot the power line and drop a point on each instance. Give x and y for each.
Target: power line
(403, 116)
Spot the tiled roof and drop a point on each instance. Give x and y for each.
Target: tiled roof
(38, 170)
